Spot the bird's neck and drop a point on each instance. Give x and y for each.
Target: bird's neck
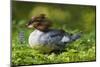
(44, 30)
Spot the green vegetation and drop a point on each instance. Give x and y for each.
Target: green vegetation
(80, 50)
(71, 18)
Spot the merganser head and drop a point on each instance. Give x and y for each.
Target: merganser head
(40, 22)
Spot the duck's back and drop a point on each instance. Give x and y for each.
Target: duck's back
(53, 37)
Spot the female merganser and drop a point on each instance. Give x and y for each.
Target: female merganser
(45, 39)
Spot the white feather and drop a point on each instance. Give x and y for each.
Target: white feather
(34, 37)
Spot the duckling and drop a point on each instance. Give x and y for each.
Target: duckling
(45, 39)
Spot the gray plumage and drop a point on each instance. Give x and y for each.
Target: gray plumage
(57, 38)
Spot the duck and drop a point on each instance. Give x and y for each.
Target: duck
(46, 39)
